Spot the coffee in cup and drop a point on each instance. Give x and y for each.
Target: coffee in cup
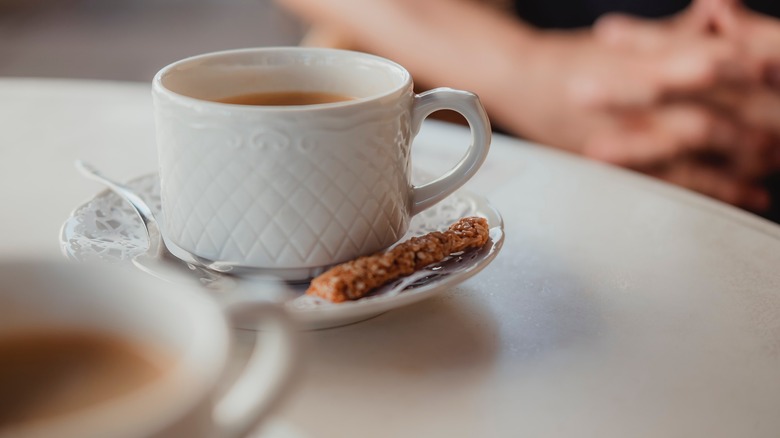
(95, 351)
(284, 98)
(48, 373)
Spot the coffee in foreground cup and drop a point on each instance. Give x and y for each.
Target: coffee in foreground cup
(47, 373)
(96, 351)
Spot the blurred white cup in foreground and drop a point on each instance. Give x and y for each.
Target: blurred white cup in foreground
(99, 351)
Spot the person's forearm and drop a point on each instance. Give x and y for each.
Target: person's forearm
(456, 43)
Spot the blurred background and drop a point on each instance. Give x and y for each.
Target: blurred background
(130, 39)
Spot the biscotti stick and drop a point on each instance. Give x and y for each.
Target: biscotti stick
(356, 278)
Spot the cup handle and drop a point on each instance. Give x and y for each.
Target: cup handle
(265, 377)
(468, 105)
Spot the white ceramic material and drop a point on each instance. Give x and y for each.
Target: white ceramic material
(297, 187)
(106, 229)
(188, 327)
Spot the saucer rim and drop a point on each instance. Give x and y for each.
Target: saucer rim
(328, 316)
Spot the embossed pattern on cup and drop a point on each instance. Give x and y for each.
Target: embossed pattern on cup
(285, 190)
(296, 188)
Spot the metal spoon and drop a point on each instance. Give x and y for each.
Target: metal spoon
(158, 259)
(171, 263)
(139, 205)
(159, 246)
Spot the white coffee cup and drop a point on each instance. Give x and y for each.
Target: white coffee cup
(295, 189)
(187, 325)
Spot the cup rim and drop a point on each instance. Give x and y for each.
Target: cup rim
(184, 390)
(159, 87)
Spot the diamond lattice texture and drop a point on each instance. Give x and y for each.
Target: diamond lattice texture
(286, 196)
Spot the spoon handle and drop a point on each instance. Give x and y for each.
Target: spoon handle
(139, 205)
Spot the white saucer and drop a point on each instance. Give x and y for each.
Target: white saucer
(106, 229)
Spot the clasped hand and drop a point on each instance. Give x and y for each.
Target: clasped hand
(694, 99)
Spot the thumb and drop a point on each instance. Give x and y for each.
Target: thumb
(726, 16)
(711, 16)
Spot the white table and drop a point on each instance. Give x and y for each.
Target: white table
(618, 307)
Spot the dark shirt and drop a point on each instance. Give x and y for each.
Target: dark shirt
(580, 13)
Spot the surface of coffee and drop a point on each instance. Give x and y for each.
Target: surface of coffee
(284, 98)
(52, 373)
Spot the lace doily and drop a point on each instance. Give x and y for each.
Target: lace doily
(107, 229)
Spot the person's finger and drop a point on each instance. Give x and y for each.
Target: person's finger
(724, 15)
(757, 159)
(622, 30)
(322, 36)
(703, 17)
(664, 133)
(625, 78)
(760, 35)
(710, 16)
(774, 153)
(772, 75)
(753, 160)
(762, 109)
(716, 183)
(625, 30)
(756, 106)
(761, 158)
